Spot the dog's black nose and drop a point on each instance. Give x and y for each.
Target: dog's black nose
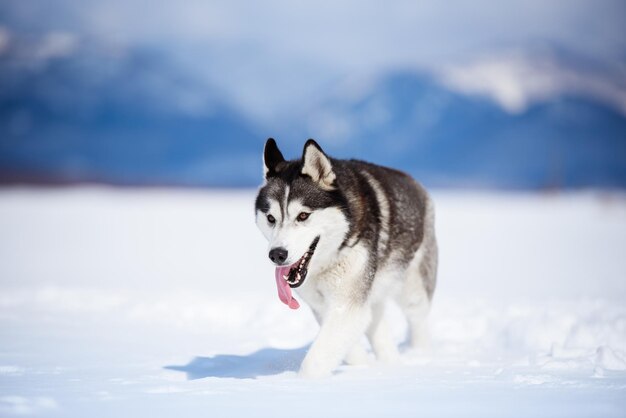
(278, 255)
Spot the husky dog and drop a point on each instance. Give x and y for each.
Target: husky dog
(348, 235)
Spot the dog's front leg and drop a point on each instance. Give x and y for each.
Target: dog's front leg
(341, 328)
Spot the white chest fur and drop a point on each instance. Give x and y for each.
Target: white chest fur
(338, 284)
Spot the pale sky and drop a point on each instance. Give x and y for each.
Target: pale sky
(265, 54)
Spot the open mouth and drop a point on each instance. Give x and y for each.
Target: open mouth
(288, 277)
(299, 269)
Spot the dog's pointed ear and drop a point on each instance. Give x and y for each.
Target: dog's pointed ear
(317, 165)
(272, 158)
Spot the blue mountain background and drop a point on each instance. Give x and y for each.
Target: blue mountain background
(135, 119)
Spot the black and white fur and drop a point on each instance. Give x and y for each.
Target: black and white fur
(376, 242)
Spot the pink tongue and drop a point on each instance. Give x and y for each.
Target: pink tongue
(284, 291)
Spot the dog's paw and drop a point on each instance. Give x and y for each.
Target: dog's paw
(389, 355)
(311, 369)
(358, 356)
(312, 373)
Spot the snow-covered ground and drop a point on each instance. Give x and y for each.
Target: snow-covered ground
(159, 303)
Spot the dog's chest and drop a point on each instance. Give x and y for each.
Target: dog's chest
(316, 292)
(338, 284)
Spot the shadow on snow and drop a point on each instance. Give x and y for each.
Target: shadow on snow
(265, 362)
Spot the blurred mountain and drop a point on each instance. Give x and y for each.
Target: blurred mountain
(72, 110)
(411, 121)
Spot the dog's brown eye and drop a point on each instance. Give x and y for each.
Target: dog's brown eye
(271, 219)
(303, 216)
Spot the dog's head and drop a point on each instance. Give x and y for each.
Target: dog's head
(300, 211)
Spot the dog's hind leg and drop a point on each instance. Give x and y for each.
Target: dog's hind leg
(415, 299)
(358, 355)
(416, 310)
(380, 336)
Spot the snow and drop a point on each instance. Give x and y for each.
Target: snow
(150, 302)
(515, 80)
